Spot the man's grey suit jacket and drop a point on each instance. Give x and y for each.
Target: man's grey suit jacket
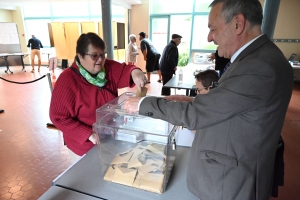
(238, 125)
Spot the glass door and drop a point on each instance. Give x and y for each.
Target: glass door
(159, 32)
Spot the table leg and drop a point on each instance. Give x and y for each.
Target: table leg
(187, 92)
(22, 57)
(7, 66)
(48, 60)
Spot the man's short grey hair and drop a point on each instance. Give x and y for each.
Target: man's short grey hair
(132, 36)
(251, 9)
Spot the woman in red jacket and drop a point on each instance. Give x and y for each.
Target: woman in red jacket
(89, 83)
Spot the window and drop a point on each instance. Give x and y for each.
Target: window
(39, 28)
(37, 11)
(171, 6)
(70, 9)
(200, 34)
(182, 25)
(202, 5)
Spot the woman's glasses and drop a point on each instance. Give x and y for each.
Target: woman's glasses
(95, 56)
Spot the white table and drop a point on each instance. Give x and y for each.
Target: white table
(5, 57)
(188, 82)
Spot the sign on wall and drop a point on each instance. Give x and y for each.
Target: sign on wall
(9, 33)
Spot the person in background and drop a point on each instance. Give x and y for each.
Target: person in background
(220, 62)
(168, 62)
(132, 50)
(89, 83)
(239, 122)
(151, 56)
(204, 83)
(35, 51)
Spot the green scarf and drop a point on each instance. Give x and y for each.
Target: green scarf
(99, 80)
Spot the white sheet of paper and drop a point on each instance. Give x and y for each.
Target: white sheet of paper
(184, 137)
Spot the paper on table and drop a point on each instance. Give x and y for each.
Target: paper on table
(109, 174)
(137, 180)
(124, 176)
(152, 182)
(124, 152)
(158, 162)
(138, 150)
(122, 159)
(134, 163)
(145, 169)
(156, 151)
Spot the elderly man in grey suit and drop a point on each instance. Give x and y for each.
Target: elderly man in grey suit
(238, 123)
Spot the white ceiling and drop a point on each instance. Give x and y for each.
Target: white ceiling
(11, 4)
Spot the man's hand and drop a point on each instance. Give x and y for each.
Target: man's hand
(94, 138)
(132, 103)
(211, 57)
(179, 98)
(138, 78)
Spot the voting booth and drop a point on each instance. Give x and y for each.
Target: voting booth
(134, 150)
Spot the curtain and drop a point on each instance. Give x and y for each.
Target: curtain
(72, 35)
(100, 30)
(114, 34)
(59, 40)
(88, 27)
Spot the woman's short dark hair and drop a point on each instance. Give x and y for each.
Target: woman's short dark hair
(207, 77)
(85, 40)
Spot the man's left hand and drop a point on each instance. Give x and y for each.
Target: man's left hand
(138, 78)
(132, 103)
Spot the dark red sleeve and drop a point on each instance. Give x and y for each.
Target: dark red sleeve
(121, 73)
(63, 111)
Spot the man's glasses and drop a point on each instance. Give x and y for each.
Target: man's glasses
(95, 56)
(199, 90)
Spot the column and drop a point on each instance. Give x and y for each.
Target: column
(107, 30)
(270, 13)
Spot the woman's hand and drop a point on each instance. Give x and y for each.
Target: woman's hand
(94, 138)
(138, 78)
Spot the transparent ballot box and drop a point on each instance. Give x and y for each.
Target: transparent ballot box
(135, 150)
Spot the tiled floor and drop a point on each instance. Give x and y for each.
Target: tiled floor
(32, 155)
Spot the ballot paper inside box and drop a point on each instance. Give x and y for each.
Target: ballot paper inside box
(134, 150)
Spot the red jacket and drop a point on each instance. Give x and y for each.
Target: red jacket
(74, 102)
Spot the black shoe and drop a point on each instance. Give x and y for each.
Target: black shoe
(148, 82)
(159, 81)
(1, 111)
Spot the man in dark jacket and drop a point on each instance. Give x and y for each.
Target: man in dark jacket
(35, 51)
(220, 62)
(151, 56)
(169, 61)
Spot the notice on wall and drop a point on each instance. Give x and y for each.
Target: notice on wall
(8, 28)
(14, 38)
(5, 37)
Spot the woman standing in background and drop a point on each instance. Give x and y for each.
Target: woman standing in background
(132, 50)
